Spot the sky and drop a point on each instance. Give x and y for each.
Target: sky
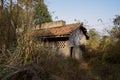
(97, 14)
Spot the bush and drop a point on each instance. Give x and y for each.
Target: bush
(105, 71)
(112, 55)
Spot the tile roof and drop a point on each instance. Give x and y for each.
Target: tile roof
(57, 31)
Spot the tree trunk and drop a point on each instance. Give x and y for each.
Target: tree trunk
(1, 6)
(10, 5)
(26, 13)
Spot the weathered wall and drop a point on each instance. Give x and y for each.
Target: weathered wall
(51, 24)
(83, 41)
(63, 49)
(76, 39)
(77, 52)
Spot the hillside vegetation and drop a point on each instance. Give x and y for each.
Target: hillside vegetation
(23, 57)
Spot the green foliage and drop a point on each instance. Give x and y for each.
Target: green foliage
(112, 53)
(104, 61)
(104, 43)
(115, 33)
(41, 13)
(94, 39)
(113, 49)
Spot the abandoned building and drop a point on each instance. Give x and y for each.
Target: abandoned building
(67, 39)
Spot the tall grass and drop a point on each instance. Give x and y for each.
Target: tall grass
(23, 57)
(104, 61)
(31, 58)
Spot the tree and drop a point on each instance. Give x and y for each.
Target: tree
(7, 30)
(113, 49)
(41, 13)
(94, 39)
(115, 32)
(36, 9)
(22, 15)
(1, 6)
(116, 21)
(17, 16)
(104, 43)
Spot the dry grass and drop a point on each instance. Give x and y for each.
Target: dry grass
(30, 59)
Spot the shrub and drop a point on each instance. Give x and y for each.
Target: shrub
(113, 54)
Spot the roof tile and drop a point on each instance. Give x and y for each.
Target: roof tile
(57, 31)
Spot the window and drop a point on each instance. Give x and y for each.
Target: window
(61, 44)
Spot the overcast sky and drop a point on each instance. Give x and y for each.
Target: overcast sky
(94, 13)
